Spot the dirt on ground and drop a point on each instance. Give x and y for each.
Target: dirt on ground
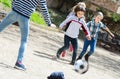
(42, 46)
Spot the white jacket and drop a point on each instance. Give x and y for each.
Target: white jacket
(74, 27)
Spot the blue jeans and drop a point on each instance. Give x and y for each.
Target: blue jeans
(67, 41)
(92, 44)
(24, 28)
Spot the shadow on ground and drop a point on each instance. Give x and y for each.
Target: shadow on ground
(6, 65)
(51, 57)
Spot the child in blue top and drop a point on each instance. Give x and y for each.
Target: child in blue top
(94, 27)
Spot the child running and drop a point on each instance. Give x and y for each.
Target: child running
(81, 4)
(72, 32)
(94, 27)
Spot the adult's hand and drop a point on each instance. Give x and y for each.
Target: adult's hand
(53, 25)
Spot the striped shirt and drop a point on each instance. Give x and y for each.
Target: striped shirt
(27, 7)
(74, 26)
(95, 28)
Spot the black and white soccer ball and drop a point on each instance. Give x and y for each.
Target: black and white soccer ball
(80, 66)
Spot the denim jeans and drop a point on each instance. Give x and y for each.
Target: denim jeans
(92, 44)
(67, 41)
(24, 28)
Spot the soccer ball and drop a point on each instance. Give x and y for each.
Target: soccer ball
(80, 66)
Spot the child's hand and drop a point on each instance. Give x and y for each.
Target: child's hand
(112, 35)
(53, 25)
(88, 37)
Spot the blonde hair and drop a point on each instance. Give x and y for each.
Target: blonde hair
(99, 13)
(81, 4)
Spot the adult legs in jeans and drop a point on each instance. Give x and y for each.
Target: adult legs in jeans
(9, 19)
(65, 47)
(23, 22)
(24, 28)
(74, 43)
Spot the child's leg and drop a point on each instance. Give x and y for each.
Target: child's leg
(92, 49)
(86, 44)
(74, 43)
(71, 48)
(65, 47)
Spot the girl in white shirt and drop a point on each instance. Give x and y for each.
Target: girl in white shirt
(71, 35)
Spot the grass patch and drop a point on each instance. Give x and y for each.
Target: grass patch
(37, 18)
(56, 17)
(7, 3)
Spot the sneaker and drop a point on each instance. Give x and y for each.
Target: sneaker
(72, 63)
(63, 53)
(79, 58)
(19, 66)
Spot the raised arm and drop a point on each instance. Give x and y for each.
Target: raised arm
(45, 12)
(107, 29)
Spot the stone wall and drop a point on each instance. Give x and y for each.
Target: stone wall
(110, 5)
(62, 5)
(53, 3)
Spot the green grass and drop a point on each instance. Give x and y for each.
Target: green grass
(37, 18)
(7, 3)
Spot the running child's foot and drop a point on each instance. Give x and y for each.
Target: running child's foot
(72, 63)
(86, 57)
